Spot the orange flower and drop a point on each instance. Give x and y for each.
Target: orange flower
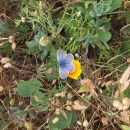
(77, 71)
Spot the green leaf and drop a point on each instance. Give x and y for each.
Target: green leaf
(34, 45)
(86, 4)
(82, 90)
(19, 113)
(104, 36)
(127, 93)
(92, 14)
(36, 82)
(33, 102)
(25, 88)
(4, 125)
(36, 98)
(43, 108)
(44, 53)
(115, 4)
(125, 127)
(126, 45)
(2, 26)
(62, 122)
(81, 9)
(126, 30)
(74, 118)
(104, 22)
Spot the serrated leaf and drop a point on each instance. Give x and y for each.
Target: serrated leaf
(32, 43)
(44, 53)
(38, 36)
(82, 90)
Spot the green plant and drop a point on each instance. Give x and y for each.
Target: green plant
(89, 23)
(31, 89)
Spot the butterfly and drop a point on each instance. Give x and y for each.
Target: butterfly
(65, 63)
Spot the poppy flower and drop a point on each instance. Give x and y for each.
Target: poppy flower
(75, 74)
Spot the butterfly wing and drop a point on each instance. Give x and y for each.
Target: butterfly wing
(68, 63)
(61, 55)
(63, 72)
(65, 63)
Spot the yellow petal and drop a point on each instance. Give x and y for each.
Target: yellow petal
(77, 71)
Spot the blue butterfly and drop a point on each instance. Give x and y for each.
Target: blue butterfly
(65, 63)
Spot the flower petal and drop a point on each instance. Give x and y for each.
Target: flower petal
(77, 71)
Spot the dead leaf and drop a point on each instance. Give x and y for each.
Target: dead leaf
(125, 115)
(90, 87)
(49, 71)
(13, 46)
(107, 84)
(1, 88)
(79, 122)
(104, 121)
(126, 103)
(125, 85)
(125, 75)
(68, 108)
(4, 60)
(36, 98)
(57, 111)
(1, 69)
(117, 94)
(7, 65)
(85, 123)
(79, 107)
(28, 126)
(56, 119)
(128, 60)
(64, 114)
(76, 102)
(11, 39)
(117, 104)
